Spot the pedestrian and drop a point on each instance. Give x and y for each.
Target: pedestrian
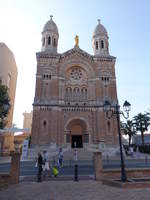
(39, 165)
(75, 155)
(46, 167)
(60, 158)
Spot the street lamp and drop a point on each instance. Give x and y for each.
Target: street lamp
(115, 110)
(76, 164)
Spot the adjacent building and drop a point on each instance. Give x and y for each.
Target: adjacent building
(27, 120)
(8, 75)
(27, 124)
(71, 89)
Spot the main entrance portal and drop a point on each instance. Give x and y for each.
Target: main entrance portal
(76, 141)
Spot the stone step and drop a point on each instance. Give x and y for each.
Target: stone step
(68, 153)
(82, 154)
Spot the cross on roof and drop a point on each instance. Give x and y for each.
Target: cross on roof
(51, 16)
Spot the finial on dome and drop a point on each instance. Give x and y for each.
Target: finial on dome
(51, 16)
(99, 21)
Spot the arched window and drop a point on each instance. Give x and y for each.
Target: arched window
(84, 93)
(108, 125)
(96, 45)
(76, 90)
(43, 41)
(44, 123)
(54, 42)
(84, 90)
(68, 92)
(49, 40)
(105, 79)
(46, 76)
(102, 44)
(70, 89)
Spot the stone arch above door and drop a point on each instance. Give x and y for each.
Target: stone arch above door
(77, 132)
(77, 120)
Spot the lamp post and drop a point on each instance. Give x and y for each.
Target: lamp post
(76, 164)
(115, 110)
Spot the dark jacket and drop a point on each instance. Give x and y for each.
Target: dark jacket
(40, 160)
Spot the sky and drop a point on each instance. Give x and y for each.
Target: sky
(128, 26)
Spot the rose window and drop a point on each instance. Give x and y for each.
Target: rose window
(76, 74)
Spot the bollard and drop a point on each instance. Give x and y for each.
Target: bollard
(107, 158)
(146, 159)
(76, 172)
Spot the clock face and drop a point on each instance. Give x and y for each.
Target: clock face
(76, 74)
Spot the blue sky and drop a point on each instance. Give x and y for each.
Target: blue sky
(128, 26)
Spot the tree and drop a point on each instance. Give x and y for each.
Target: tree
(142, 122)
(128, 129)
(4, 104)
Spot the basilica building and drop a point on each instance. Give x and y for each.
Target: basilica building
(71, 89)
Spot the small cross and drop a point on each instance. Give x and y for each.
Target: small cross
(51, 16)
(99, 21)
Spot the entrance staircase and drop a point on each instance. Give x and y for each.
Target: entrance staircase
(68, 153)
(82, 154)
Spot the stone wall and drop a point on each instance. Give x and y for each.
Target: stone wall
(115, 174)
(131, 173)
(4, 179)
(13, 176)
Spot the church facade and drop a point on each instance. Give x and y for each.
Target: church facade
(71, 89)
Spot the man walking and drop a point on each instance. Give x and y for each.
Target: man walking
(39, 165)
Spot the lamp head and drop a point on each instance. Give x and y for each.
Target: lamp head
(107, 106)
(127, 106)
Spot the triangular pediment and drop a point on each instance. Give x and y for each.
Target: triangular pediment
(77, 51)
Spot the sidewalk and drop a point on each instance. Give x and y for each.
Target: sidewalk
(70, 190)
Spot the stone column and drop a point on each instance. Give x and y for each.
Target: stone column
(98, 166)
(15, 167)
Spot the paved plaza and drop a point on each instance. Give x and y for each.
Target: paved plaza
(69, 190)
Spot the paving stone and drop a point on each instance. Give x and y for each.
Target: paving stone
(70, 190)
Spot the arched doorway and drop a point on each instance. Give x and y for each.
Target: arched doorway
(76, 133)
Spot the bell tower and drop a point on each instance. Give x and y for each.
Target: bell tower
(50, 37)
(100, 40)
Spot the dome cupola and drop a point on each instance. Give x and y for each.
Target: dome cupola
(50, 37)
(100, 40)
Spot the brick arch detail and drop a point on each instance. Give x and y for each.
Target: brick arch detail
(83, 122)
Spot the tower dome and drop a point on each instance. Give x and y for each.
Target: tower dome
(100, 30)
(100, 40)
(50, 26)
(50, 37)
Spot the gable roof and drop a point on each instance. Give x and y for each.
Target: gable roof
(77, 50)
